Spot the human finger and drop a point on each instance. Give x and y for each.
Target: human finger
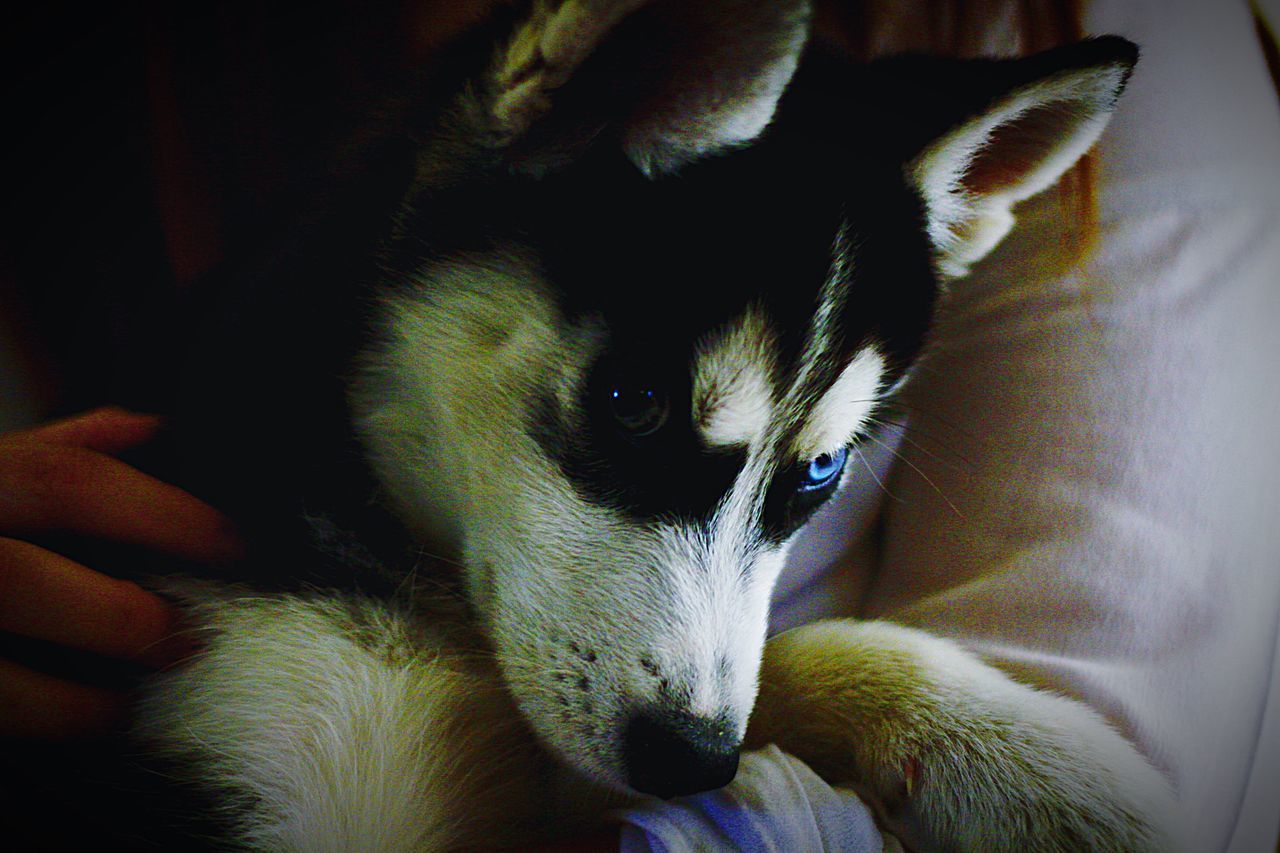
(46, 488)
(45, 596)
(108, 430)
(36, 705)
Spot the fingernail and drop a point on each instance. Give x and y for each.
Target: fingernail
(911, 772)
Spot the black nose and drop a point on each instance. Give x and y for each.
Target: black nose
(673, 753)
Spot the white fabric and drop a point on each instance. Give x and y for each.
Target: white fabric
(1089, 493)
(776, 803)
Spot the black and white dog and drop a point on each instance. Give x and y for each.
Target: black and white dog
(601, 329)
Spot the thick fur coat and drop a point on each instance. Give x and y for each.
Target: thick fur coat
(625, 291)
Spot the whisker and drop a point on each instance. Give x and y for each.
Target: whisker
(878, 481)
(414, 585)
(966, 467)
(909, 426)
(922, 474)
(914, 408)
(440, 558)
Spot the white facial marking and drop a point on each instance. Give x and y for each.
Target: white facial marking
(829, 423)
(732, 393)
(442, 404)
(1037, 132)
(844, 408)
(594, 616)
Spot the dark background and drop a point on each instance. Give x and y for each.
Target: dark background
(146, 144)
(144, 147)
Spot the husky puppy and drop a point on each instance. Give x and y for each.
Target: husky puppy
(638, 276)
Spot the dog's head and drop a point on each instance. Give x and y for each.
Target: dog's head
(654, 277)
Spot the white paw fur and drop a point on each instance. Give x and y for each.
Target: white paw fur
(951, 750)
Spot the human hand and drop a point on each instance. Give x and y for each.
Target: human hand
(62, 478)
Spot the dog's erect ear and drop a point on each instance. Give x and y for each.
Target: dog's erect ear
(673, 79)
(1048, 112)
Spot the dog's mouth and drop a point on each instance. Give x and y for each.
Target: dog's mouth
(633, 732)
(657, 750)
(637, 669)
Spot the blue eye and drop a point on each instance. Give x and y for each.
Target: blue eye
(823, 471)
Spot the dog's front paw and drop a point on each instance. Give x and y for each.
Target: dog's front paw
(952, 751)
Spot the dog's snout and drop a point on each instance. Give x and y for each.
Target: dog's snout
(670, 753)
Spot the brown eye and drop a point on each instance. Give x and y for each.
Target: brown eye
(638, 409)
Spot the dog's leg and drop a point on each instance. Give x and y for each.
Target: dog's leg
(942, 742)
(328, 724)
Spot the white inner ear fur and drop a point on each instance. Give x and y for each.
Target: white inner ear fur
(973, 176)
(733, 397)
(728, 68)
(844, 408)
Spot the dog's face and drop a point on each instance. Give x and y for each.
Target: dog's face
(627, 404)
(617, 382)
